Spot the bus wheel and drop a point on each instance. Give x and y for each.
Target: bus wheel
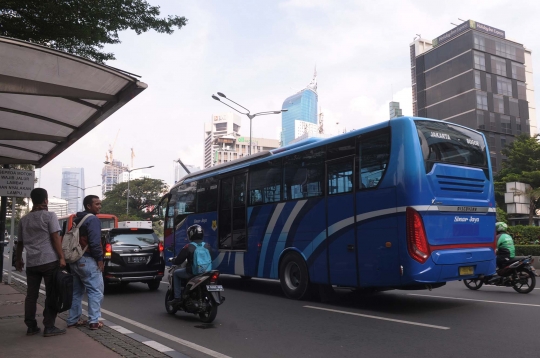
(294, 277)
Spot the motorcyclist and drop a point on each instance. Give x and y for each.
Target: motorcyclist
(195, 233)
(505, 245)
(505, 248)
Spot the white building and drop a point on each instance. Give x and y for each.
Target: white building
(109, 175)
(59, 206)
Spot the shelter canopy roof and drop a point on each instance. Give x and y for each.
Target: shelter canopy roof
(50, 99)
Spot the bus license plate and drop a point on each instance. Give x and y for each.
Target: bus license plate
(466, 271)
(213, 288)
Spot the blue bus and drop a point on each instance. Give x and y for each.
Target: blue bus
(407, 204)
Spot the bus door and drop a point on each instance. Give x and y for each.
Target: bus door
(232, 213)
(340, 217)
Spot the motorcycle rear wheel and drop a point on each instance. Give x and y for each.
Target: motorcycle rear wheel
(168, 307)
(209, 315)
(473, 284)
(526, 281)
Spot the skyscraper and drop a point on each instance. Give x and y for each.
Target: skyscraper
(74, 196)
(473, 75)
(109, 175)
(179, 171)
(301, 106)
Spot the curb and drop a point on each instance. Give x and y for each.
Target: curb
(117, 338)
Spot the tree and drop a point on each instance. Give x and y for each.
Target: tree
(144, 194)
(522, 165)
(81, 27)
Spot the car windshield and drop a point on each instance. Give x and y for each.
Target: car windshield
(135, 238)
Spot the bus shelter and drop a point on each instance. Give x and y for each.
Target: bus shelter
(49, 99)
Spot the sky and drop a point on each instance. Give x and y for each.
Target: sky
(260, 52)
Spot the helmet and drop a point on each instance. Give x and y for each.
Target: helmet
(500, 226)
(195, 232)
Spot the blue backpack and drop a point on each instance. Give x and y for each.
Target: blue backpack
(202, 262)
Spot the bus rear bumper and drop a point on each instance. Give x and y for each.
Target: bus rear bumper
(452, 265)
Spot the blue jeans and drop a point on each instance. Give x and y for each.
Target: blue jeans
(180, 274)
(86, 276)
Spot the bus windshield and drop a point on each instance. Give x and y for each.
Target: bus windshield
(107, 223)
(450, 144)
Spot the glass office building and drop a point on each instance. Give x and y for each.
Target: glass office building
(472, 75)
(73, 193)
(301, 106)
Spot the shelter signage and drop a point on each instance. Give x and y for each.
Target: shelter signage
(18, 183)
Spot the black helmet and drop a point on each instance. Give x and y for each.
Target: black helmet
(195, 232)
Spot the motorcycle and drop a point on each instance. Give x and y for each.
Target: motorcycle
(520, 275)
(200, 296)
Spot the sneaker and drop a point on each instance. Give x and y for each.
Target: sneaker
(175, 301)
(33, 330)
(53, 331)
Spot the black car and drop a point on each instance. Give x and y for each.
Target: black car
(133, 255)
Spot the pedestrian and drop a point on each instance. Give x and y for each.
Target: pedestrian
(39, 235)
(87, 271)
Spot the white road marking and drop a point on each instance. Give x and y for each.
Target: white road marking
(470, 299)
(170, 337)
(379, 318)
(121, 329)
(503, 287)
(158, 346)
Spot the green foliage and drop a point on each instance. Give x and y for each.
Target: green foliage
(144, 195)
(526, 250)
(524, 235)
(501, 215)
(523, 156)
(81, 26)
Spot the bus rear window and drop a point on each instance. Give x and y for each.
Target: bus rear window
(450, 144)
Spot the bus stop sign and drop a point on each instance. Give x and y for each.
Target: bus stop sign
(16, 183)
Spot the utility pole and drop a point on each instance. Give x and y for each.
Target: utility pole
(3, 211)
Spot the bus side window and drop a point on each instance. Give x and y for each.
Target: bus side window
(303, 174)
(265, 183)
(374, 153)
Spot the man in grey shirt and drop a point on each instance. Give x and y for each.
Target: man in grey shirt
(39, 235)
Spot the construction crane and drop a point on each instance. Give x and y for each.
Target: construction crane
(111, 148)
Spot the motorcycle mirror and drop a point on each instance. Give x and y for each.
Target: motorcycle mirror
(170, 259)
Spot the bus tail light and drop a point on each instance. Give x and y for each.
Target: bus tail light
(417, 244)
(108, 251)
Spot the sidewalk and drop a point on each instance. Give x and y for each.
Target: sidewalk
(15, 343)
(102, 343)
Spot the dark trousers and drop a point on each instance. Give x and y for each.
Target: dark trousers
(33, 277)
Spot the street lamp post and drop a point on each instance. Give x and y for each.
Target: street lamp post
(248, 113)
(129, 178)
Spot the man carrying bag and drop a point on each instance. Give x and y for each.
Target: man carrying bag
(38, 234)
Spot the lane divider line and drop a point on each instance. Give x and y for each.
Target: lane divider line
(162, 348)
(380, 318)
(475, 300)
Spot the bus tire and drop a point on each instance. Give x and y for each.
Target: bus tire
(294, 276)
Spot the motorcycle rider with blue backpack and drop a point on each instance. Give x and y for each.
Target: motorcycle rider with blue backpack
(197, 254)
